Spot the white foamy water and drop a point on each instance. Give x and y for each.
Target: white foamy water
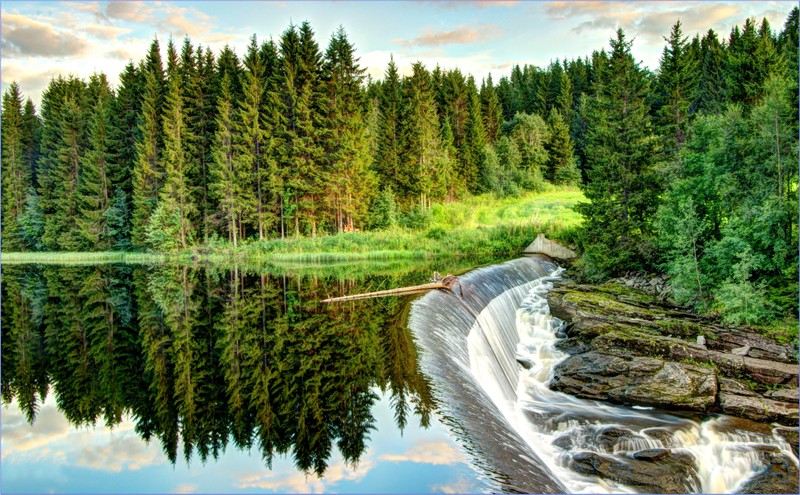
(517, 326)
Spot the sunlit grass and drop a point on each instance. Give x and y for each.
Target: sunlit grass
(480, 226)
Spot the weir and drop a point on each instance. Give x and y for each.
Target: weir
(528, 438)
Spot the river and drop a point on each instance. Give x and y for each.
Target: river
(164, 378)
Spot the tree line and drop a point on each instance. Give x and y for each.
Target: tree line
(689, 168)
(203, 358)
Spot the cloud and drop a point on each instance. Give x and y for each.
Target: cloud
(125, 452)
(437, 453)
(186, 488)
(461, 485)
(137, 12)
(295, 482)
(51, 437)
(461, 35)
(27, 37)
(473, 4)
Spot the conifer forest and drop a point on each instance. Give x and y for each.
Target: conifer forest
(689, 169)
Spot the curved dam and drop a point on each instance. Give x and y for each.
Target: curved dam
(490, 354)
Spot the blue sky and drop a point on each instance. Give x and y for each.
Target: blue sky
(42, 39)
(53, 457)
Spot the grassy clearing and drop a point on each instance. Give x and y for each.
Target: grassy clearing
(481, 226)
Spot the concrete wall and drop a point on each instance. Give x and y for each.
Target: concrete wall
(543, 245)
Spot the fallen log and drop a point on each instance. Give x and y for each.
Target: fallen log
(447, 283)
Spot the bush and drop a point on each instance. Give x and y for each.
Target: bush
(417, 218)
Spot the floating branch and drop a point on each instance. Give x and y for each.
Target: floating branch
(448, 282)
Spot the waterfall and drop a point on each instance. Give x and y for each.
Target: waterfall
(525, 436)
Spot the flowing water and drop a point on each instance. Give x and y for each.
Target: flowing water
(524, 434)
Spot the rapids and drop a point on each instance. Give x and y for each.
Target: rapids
(490, 354)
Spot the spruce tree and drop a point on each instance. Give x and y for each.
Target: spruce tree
(16, 176)
(676, 85)
(561, 166)
(228, 176)
(710, 93)
(174, 199)
(622, 153)
(253, 145)
(420, 140)
(351, 185)
(491, 109)
(31, 138)
(387, 159)
(474, 139)
(94, 184)
(147, 173)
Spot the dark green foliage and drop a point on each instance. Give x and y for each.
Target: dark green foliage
(384, 210)
(561, 166)
(676, 85)
(622, 153)
(16, 175)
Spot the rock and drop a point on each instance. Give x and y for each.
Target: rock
(638, 380)
(731, 425)
(791, 437)
(759, 408)
(779, 475)
(675, 473)
(651, 455)
(563, 442)
(735, 387)
(665, 436)
(741, 351)
(784, 395)
(627, 347)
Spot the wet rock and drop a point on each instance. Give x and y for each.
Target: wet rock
(784, 395)
(791, 436)
(759, 408)
(674, 473)
(627, 347)
(637, 380)
(779, 475)
(731, 425)
(662, 434)
(563, 442)
(651, 455)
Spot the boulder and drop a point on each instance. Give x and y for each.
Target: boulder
(779, 475)
(637, 380)
(672, 472)
(758, 408)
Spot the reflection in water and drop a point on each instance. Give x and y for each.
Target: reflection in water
(200, 357)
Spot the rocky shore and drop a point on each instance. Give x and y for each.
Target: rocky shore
(630, 347)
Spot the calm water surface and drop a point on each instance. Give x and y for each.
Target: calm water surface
(133, 378)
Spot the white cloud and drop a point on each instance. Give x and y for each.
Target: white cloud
(186, 488)
(462, 485)
(460, 35)
(296, 482)
(51, 437)
(24, 36)
(430, 452)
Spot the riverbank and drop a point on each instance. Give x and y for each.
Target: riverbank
(480, 226)
(627, 346)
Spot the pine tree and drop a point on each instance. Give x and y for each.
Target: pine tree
(621, 158)
(349, 189)
(474, 139)
(492, 111)
(253, 144)
(174, 199)
(420, 140)
(65, 130)
(94, 184)
(31, 138)
(227, 185)
(676, 85)
(147, 173)
(124, 133)
(16, 176)
(561, 166)
(387, 159)
(710, 93)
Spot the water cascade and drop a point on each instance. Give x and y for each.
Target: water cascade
(490, 354)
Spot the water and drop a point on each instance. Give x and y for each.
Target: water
(473, 358)
(158, 379)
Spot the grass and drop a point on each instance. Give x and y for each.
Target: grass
(480, 226)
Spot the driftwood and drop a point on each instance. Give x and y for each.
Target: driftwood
(447, 283)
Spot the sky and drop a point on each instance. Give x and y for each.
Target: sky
(51, 456)
(43, 39)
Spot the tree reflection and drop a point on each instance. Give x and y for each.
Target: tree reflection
(202, 356)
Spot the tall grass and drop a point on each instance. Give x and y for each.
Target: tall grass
(480, 226)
